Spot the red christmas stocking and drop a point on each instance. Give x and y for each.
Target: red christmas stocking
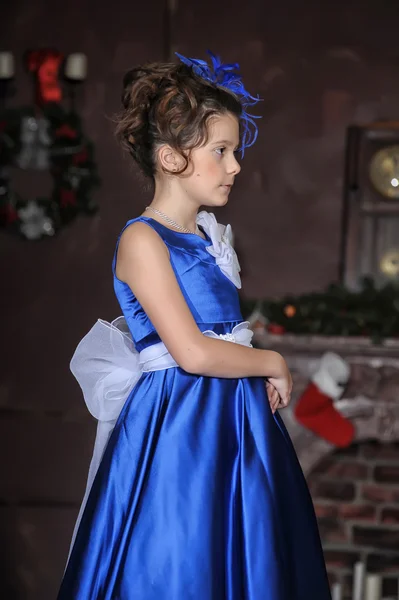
(315, 408)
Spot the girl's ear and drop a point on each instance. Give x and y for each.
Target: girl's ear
(170, 160)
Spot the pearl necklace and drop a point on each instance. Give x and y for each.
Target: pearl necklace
(172, 222)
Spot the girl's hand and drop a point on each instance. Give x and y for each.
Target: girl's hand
(280, 388)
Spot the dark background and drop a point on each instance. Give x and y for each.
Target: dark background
(319, 66)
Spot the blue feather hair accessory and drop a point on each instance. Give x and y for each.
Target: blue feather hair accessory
(228, 77)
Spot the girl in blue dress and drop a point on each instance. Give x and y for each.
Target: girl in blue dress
(194, 491)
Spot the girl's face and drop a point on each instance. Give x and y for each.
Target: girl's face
(213, 167)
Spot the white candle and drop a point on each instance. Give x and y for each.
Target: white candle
(6, 65)
(373, 587)
(336, 591)
(358, 581)
(76, 66)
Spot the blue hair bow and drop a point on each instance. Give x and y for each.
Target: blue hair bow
(227, 76)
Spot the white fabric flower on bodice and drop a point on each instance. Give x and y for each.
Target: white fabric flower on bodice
(222, 246)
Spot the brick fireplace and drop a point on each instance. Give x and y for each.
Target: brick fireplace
(356, 497)
(355, 490)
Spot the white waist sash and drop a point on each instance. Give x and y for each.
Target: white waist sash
(107, 366)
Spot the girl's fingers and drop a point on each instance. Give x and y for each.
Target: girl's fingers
(285, 401)
(275, 400)
(274, 397)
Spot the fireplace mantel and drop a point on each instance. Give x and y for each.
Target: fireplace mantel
(361, 347)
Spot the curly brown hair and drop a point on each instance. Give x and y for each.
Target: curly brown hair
(167, 103)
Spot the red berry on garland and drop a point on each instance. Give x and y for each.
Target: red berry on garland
(289, 311)
(275, 328)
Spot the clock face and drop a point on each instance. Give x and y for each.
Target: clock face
(389, 264)
(384, 171)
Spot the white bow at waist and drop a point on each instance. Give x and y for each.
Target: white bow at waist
(107, 365)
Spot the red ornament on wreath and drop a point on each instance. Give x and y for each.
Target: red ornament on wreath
(80, 157)
(67, 198)
(67, 132)
(8, 214)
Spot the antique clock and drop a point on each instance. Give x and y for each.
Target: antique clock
(370, 240)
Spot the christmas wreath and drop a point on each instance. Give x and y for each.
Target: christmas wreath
(45, 137)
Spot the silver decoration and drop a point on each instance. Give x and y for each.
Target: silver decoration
(35, 141)
(75, 175)
(35, 222)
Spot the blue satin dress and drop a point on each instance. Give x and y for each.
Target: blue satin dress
(199, 495)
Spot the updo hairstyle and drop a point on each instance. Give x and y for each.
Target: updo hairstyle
(167, 103)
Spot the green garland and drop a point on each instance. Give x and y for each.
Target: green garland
(70, 162)
(371, 312)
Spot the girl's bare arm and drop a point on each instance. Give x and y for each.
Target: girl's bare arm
(143, 263)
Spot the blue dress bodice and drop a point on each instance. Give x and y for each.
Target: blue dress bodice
(212, 298)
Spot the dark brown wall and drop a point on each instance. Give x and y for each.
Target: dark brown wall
(318, 69)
